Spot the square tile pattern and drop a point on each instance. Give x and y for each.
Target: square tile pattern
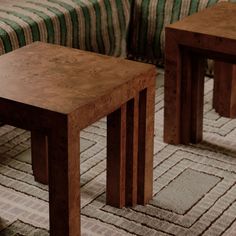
(183, 192)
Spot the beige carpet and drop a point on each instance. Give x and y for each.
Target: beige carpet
(194, 186)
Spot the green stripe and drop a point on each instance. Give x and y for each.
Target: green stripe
(46, 19)
(100, 42)
(131, 28)
(193, 7)
(211, 2)
(160, 27)
(176, 10)
(74, 20)
(87, 24)
(142, 36)
(59, 15)
(122, 22)
(6, 40)
(33, 25)
(17, 28)
(111, 33)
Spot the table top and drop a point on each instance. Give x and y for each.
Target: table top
(218, 20)
(63, 79)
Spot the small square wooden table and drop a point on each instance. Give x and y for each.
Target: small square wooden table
(57, 92)
(210, 33)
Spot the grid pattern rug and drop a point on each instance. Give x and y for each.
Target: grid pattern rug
(194, 185)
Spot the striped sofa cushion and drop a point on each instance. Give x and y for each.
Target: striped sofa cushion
(93, 25)
(149, 18)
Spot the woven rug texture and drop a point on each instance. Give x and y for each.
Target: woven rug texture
(194, 185)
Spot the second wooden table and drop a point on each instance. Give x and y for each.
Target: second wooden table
(210, 33)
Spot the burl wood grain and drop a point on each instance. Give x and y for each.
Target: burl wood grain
(55, 92)
(210, 33)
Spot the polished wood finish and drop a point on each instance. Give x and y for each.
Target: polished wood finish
(224, 93)
(210, 33)
(56, 92)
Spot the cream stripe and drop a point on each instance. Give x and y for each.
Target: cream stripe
(40, 22)
(137, 13)
(116, 27)
(54, 19)
(126, 9)
(26, 28)
(12, 2)
(81, 24)
(104, 24)
(69, 28)
(7, 3)
(184, 9)
(12, 35)
(28, 33)
(152, 16)
(2, 50)
(93, 29)
(167, 19)
(202, 4)
(81, 32)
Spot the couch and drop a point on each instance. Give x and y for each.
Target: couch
(128, 28)
(94, 25)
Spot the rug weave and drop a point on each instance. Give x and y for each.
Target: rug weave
(194, 185)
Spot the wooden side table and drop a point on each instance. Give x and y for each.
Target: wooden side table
(56, 92)
(210, 33)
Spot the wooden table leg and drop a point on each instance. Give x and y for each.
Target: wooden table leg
(132, 152)
(145, 144)
(192, 94)
(116, 157)
(224, 95)
(183, 101)
(130, 133)
(172, 80)
(39, 155)
(64, 182)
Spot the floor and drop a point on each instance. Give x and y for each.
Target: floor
(194, 185)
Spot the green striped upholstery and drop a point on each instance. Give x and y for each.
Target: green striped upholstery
(93, 25)
(146, 41)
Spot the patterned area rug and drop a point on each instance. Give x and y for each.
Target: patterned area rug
(194, 185)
